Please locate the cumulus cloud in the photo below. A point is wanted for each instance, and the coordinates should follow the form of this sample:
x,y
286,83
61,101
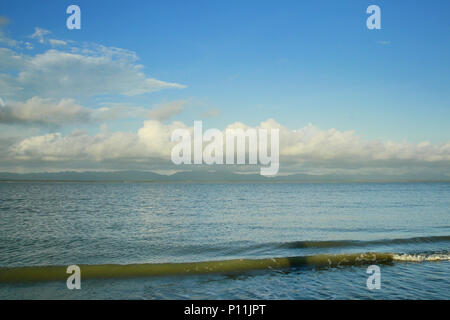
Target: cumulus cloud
x,y
151,141
311,144
55,147
44,111
48,111
308,147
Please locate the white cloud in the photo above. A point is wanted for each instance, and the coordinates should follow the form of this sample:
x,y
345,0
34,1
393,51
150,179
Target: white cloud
x,y
40,34
10,60
114,110
41,88
309,147
56,42
311,144
44,111
75,73
151,141
48,111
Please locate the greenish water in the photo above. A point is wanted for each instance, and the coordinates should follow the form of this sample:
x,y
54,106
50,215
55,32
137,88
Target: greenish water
x,y
224,240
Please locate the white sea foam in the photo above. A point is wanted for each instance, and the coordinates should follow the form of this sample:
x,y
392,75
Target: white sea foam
x,y
421,257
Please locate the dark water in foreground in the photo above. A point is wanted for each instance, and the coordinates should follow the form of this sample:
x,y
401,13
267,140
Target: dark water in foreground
x,y
206,228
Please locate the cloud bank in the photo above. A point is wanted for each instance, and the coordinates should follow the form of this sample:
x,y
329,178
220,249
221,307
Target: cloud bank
x,y
299,149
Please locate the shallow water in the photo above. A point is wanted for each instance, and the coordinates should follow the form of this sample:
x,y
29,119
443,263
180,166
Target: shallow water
x,y
59,224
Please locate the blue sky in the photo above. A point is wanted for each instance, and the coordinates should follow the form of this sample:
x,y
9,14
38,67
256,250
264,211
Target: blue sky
x,y
298,62
301,61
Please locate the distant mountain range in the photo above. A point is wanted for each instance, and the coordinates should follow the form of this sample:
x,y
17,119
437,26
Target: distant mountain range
x,y
203,176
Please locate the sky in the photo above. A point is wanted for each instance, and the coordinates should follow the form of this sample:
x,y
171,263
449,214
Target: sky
x,y
107,96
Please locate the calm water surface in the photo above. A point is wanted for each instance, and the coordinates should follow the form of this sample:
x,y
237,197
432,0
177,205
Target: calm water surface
x,y
59,224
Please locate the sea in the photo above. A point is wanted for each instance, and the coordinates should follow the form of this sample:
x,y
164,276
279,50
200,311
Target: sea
x,y
225,240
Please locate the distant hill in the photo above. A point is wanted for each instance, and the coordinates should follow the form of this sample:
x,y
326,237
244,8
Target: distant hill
x,y
202,176
84,176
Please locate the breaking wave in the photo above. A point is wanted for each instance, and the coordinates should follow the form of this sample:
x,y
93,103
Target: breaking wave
x,y
420,257
53,273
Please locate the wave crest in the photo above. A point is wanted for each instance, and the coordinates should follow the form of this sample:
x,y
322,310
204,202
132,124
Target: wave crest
x,y
420,257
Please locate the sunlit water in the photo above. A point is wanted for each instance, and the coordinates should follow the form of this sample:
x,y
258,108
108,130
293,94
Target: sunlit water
x,y
60,224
